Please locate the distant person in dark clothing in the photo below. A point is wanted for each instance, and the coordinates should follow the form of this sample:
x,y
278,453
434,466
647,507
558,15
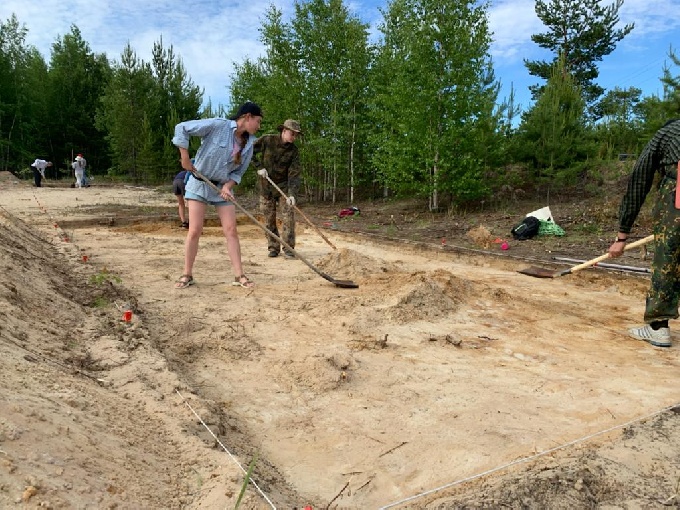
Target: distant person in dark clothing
x,y
38,167
178,188
661,155
278,159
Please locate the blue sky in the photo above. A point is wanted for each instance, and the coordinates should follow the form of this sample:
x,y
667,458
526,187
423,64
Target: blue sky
x,y
209,36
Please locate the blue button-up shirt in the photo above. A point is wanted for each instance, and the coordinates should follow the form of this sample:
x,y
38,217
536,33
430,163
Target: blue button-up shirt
x,y
214,157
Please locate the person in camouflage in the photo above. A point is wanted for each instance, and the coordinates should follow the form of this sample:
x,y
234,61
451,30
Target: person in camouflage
x,y
277,157
661,155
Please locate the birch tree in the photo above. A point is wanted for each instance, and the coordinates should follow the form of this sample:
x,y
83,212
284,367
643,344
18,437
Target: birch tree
x,y
434,99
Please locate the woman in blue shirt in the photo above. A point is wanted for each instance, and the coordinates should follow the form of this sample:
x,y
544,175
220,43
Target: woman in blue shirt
x,y
223,157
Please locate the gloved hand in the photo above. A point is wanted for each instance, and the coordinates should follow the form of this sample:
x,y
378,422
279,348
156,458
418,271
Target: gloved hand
x,y
262,172
291,201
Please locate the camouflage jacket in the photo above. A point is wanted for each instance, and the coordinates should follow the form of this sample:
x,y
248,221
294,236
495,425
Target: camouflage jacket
x,y
282,162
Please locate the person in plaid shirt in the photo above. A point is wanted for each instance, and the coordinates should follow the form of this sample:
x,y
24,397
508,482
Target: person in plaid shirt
x,y
660,156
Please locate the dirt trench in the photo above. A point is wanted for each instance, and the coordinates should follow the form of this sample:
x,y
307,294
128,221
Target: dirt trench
x,y
441,366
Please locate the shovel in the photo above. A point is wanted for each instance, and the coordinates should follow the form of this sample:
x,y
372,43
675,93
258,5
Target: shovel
x,y
301,213
346,284
539,272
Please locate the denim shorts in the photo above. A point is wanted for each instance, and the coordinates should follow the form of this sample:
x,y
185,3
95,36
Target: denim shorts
x,y
217,203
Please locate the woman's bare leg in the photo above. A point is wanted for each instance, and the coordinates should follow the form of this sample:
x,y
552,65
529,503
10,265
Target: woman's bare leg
x,y
227,215
182,209
197,214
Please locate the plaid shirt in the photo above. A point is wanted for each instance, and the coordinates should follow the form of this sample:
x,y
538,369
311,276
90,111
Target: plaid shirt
x,y
661,154
282,162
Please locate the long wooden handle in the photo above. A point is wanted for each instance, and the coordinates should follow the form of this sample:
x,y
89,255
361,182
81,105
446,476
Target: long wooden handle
x,y
594,261
288,247
302,214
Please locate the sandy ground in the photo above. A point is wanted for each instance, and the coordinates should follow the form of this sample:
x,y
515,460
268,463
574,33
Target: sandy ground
x,y
443,381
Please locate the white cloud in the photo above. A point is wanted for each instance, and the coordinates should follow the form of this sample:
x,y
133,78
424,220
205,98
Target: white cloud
x,y
208,36
651,17
512,23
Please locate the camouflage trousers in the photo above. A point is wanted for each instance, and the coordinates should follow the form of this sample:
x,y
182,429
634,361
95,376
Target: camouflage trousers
x,y
268,209
664,292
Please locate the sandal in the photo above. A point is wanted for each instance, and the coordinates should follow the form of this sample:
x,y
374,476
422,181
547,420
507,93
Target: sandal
x,y
184,281
243,281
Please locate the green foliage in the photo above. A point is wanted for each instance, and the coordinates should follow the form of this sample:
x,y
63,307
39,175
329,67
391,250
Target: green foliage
x,y
553,133
139,110
76,80
671,86
417,114
22,99
100,302
619,130
581,32
436,113
104,276
246,481
315,71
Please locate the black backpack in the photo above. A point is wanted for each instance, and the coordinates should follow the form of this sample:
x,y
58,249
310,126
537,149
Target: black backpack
x,y
527,229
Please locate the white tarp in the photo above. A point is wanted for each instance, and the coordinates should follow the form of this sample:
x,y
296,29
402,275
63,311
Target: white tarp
x,y
542,214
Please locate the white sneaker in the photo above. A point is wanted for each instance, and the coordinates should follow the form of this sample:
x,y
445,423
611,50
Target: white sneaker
x,y
659,338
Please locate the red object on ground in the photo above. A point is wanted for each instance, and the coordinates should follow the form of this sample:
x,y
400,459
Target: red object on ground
x,y
127,316
349,211
505,246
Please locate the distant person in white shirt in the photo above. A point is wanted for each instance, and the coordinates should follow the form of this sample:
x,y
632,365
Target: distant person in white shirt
x,y
79,168
38,167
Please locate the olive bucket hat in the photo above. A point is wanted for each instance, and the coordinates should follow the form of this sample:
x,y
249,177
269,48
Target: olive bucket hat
x,y
291,124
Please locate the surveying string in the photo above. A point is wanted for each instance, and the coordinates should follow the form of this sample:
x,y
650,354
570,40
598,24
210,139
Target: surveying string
x,y
527,459
226,450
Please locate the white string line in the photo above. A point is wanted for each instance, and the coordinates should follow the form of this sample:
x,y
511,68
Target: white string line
x,y
226,450
526,459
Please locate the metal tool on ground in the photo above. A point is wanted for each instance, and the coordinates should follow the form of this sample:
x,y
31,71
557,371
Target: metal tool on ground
x,y
346,284
540,272
301,213
615,267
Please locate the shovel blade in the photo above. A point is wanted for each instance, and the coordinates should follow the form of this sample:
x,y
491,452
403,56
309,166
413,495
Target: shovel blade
x,y
346,284
538,272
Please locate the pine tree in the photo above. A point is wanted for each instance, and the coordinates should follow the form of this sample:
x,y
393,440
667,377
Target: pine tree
x,y
583,32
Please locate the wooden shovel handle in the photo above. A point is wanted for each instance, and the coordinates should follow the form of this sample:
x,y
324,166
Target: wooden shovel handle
x,y
347,284
301,213
594,261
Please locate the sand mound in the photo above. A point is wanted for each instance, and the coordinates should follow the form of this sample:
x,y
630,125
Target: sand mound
x,y
421,296
350,263
9,177
320,372
429,296
481,236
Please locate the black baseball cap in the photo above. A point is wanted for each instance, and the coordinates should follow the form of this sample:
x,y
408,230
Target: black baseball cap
x,y
247,107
